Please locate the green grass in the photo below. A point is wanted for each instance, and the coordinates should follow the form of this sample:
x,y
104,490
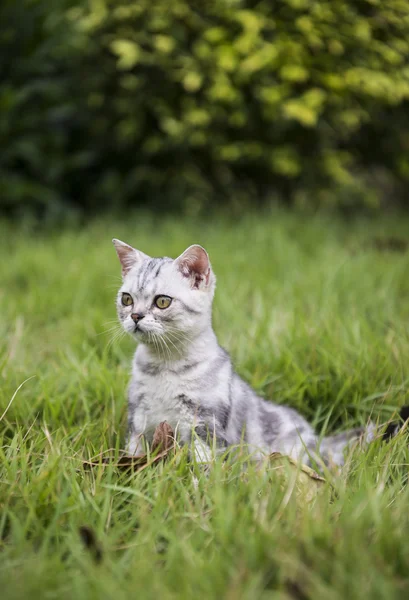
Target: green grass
x,y
313,316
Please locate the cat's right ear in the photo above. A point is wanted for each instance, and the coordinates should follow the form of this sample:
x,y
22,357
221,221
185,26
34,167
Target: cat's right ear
x,y
128,256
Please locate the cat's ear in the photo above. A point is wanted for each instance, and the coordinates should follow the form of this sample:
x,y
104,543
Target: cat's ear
x,y
128,256
194,264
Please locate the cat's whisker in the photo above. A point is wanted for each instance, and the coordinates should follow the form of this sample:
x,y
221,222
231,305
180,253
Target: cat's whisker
x,y
179,346
111,341
166,347
168,352
178,333
173,328
166,337
155,344
159,346
110,330
181,337
178,343
117,336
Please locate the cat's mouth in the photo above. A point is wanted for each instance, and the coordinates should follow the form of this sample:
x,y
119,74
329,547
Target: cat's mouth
x,y
139,335
137,330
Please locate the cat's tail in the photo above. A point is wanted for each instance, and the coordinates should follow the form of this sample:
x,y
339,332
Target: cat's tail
x,y
332,448
395,426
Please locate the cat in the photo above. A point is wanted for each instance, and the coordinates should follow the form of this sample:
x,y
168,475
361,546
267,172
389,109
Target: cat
x,y
181,375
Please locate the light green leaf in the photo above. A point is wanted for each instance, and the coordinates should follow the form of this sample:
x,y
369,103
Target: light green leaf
x,y
128,53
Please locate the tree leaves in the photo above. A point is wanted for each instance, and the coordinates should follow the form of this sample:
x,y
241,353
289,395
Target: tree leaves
x,y
113,94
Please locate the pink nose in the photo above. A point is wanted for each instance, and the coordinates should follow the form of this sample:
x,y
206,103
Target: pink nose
x,y
137,317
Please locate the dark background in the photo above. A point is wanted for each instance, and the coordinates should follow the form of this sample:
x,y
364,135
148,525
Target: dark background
x,y
182,105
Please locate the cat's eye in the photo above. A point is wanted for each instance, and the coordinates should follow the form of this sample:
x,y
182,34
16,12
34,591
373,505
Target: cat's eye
x,y
162,301
126,299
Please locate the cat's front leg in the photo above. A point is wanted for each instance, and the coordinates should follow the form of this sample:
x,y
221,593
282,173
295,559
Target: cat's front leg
x,y
206,445
136,443
201,452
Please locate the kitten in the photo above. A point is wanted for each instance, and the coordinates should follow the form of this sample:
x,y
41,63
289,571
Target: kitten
x,y
181,375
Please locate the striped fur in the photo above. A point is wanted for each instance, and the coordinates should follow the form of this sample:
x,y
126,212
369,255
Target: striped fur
x,y
181,375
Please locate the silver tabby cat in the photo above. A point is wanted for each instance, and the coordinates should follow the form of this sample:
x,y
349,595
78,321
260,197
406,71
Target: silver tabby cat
x,y
181,375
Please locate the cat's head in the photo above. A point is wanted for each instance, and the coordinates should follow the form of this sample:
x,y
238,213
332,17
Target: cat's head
x,y
165,300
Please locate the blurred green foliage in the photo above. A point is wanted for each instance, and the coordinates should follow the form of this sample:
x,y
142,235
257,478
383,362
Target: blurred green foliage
x,y
180,103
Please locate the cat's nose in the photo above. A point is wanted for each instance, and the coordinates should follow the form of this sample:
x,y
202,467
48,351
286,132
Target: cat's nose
x,y
136,317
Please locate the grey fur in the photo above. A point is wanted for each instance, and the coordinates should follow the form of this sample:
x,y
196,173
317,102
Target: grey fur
x,y
180,373
189,309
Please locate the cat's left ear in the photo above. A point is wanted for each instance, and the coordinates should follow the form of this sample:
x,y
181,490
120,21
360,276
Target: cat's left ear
x,y
128,256
194,264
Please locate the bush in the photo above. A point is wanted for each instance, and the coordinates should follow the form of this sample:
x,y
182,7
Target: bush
x,y
178,104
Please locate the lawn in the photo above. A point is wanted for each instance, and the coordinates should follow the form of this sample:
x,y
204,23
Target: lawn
x,y
315,313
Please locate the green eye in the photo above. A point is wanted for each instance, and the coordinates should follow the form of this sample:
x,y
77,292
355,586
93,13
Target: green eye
x,y
126,299
163,301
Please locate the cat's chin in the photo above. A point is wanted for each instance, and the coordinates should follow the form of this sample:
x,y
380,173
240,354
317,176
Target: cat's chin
x,y
137,334
141,336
